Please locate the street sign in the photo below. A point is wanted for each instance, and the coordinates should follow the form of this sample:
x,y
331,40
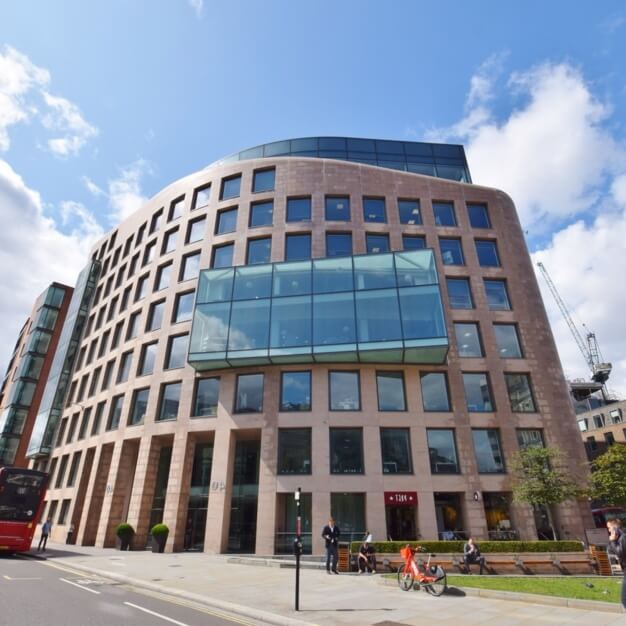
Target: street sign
x,y
401,498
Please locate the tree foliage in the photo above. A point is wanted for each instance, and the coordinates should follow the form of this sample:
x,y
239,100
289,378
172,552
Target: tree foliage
x,y
608,476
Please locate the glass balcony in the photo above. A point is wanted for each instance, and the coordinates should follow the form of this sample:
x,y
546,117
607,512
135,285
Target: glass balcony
x,y
382,308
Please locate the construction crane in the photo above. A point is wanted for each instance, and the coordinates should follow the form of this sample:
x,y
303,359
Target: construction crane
x,y
600,370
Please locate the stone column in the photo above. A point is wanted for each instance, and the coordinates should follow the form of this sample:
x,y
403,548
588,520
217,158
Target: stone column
x,y
266,505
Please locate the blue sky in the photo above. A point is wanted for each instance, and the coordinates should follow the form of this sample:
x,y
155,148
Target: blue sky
x,y
104,103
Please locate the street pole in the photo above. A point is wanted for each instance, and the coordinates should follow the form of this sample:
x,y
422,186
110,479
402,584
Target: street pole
x,y
298,545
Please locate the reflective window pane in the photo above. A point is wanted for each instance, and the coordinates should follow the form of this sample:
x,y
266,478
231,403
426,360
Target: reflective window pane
x,y
344,391
434,391
230,187
147,360
413,242
139,406
333,319
422,313
207,395
487,252
164,275
346,451
478,216
520,393
477,392
155,316
488,451
177,352
292,279
169,241
374,272
263,180
295,391
297,247
298,209
215,286
195,231
252,282
249,393
249,325
396,450
451,251
507,341
331,275
202,197
115,412
468,339
497,296
444,214
210,327
183,307
337,208
190,266
294,451
377,244
378,316
415,268
442,451
259,250
261,214
459,293
409,211
390,387
529,438
226,221
338,244
176,209
374,210
291,322
170,400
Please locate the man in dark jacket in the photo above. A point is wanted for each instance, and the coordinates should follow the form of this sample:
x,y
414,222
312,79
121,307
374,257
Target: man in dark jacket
x,y
331,534
617,546
471,554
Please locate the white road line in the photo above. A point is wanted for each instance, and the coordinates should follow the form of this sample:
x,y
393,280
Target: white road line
x,y
164,617
69,582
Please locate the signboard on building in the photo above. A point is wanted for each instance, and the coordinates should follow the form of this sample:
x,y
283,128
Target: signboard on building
x,y
401,498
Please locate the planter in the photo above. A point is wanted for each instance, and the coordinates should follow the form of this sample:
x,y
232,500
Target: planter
x,y
125,543
158,543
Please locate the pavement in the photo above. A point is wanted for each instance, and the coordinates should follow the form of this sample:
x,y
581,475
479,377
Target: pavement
x,y
266,594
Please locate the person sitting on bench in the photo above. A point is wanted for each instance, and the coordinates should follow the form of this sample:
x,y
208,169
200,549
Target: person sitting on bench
x,y
471,554
367,556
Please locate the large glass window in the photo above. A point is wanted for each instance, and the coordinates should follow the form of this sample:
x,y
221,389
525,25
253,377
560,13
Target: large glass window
x,y
201,197
396,450
290,322
487,252
170,400
374,210
344,391
155,316
223,255
413,242
338,244
507,341
124,368
468,339
444,214
139,406
377,321
147,359
451,251
332,275
259,250
297,247
176,208
163,277
249,393
350,509
115,412
183,307
263,180
376,244
478,216
346,451
294,451
488,451
249,323
299,209
195,230
206,397
497,295
190,266
231,187
295,393
391,396
169,241
261,214
434,391
477,392
529,438
226,221
333,319
442,451
337,208
142,287
520,393
250,283
409,211
176,352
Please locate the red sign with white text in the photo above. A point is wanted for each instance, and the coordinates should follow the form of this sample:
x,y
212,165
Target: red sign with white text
x,y
401,498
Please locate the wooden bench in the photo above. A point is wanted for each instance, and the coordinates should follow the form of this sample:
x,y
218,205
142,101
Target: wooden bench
x,y
393,562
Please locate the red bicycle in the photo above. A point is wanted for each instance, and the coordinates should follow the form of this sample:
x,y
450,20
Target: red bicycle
x,y
415,573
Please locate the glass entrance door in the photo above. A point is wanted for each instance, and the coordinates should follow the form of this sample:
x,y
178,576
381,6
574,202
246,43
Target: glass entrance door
x,y
198,497
401,525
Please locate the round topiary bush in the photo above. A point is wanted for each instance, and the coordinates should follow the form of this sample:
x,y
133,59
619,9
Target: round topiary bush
x,y
124,530
159,530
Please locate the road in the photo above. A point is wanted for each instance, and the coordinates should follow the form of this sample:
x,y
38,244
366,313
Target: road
x,y
34,592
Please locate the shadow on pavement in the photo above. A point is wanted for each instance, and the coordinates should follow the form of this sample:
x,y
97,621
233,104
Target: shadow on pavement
x,y
52,553
454,591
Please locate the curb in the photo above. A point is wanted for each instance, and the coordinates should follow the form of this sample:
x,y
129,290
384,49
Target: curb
x,y
230,607
534,598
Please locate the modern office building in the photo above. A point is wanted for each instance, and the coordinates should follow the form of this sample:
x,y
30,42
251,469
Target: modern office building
x,y
352,317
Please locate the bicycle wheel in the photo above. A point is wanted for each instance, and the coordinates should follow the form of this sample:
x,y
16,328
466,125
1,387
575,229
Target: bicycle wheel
x,y
405,579
439,585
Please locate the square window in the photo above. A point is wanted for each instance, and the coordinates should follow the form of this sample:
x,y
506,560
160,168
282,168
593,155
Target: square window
x,y
409,211
176,352
259,251
468,339
231,187
299,209
477,392
294,451
478,216
169,241
183,307
507,341
459,293
261,214
338,244
413,242
295,391
155,316
487,252
374,210
444,214
169,401
442,451
488,451
176,208
201,197
451,251
346,451
337,208
206,398
263,180
298,247
226,221
147,359
520,393
139,406
190,266
195,230
377,244
223,256
497,295
435,391
249,396
390,387
345,392
395,447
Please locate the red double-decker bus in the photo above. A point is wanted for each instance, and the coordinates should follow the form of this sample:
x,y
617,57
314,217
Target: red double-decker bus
x,y
22,492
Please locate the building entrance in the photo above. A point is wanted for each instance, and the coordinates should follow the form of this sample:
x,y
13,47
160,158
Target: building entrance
x,y
195,526
401,515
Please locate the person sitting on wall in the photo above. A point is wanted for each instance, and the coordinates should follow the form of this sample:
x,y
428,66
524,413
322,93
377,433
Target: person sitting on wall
x,y
471,554
367,556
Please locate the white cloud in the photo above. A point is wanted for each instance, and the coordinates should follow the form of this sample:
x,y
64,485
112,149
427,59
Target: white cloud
x,y
125,194
34,252
197,6
92,187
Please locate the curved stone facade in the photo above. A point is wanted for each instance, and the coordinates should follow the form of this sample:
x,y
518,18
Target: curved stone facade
x,y
104,473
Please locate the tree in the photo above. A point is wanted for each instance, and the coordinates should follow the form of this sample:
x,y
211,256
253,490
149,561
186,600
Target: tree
x,y
541,478
608,476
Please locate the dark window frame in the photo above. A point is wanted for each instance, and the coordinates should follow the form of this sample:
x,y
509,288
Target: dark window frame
x,y
358,380
280,403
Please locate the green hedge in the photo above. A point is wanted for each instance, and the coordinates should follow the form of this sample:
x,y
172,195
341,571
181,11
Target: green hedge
x,y
446,547
124,530
159,530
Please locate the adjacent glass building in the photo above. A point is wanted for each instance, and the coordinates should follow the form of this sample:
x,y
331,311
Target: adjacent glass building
x,y
352,317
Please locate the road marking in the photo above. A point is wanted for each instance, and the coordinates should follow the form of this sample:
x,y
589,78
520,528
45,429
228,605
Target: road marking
x,y
69,582
164,617
11,578
63,568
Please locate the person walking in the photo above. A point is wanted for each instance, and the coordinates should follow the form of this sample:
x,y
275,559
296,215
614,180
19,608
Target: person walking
x,y
471,554
331,534
45,531
617,546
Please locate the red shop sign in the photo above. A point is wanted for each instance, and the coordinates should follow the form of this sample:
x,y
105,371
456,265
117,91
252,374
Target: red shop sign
x,y
401,498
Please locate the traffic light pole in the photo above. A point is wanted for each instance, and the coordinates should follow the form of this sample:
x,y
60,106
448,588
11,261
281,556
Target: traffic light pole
x,y
297,545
